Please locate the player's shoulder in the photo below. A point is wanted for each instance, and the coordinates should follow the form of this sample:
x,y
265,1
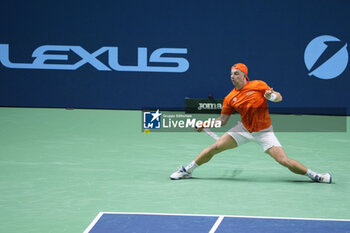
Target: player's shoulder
x,y
258,83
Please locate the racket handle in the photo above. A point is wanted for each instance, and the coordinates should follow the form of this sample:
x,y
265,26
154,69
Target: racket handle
x,y
211,133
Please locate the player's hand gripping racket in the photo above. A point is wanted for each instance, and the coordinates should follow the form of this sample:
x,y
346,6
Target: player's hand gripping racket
x,y
209,132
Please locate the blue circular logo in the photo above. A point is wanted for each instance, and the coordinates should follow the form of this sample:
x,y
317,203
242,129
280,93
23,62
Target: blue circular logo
x,y
326,57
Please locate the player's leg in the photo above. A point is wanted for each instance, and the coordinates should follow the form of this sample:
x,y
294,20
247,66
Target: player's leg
x,y
236,136
280,156
269,142
223,143
272,146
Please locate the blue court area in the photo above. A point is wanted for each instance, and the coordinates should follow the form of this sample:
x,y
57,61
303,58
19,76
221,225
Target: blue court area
x,y
137,223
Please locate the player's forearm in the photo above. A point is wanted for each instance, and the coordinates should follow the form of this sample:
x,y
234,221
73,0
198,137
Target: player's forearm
x,y
223,118
220,120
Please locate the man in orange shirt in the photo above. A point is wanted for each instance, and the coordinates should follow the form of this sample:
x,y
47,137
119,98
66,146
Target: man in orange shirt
x,y
249,98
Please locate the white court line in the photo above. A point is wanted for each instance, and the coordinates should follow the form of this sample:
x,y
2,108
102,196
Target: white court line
x,y
234,216
92,224
216,225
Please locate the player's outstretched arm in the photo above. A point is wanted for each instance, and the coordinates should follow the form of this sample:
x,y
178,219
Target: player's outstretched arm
x,y
273,96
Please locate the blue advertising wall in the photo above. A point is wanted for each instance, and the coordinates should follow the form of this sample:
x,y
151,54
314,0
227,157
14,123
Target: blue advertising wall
x,y
136,54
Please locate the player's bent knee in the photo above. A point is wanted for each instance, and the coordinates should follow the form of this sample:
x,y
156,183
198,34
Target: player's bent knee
x,y
222,144
217,147
227,142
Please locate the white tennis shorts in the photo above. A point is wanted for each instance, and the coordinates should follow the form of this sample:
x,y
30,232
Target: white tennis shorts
x,y
265,138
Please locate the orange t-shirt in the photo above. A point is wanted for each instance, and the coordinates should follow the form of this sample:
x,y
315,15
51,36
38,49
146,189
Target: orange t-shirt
x,y
250,102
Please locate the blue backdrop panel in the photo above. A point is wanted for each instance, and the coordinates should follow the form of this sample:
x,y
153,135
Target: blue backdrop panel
x,y
105,39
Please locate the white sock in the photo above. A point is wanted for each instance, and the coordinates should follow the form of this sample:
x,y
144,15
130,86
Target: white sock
x,y
190,167
311,174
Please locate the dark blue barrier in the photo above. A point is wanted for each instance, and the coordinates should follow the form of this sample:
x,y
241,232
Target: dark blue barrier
x,y
135,54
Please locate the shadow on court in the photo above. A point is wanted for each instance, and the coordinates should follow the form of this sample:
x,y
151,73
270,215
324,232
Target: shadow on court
x,y
233,177
253,180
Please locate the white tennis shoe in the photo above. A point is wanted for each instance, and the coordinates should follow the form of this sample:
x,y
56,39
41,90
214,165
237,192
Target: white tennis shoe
x,y
181,174
323,178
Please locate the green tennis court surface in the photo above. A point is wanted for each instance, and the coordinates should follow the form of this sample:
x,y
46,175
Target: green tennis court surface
x,y
60,168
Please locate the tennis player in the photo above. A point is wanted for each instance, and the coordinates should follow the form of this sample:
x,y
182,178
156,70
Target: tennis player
x,y
249,98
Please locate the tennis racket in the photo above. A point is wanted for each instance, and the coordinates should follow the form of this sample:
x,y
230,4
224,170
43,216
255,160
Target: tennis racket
x,y
211,133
